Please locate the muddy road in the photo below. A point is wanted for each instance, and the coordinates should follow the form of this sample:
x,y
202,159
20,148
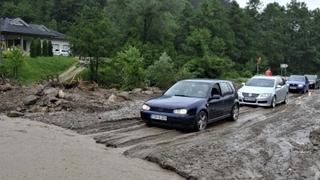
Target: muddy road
x,y
263,144
280,143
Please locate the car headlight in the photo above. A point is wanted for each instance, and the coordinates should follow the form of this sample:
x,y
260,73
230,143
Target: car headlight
x,y
240,94
300,85
264,95
146,107
180,111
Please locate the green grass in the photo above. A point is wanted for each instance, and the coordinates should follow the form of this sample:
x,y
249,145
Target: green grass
x,y
34,69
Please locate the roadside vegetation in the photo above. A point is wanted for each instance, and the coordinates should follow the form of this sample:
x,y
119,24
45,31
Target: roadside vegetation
x,y
144,42
28,70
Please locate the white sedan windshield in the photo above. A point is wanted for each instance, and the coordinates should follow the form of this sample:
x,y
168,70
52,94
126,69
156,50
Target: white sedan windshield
x,y
260,82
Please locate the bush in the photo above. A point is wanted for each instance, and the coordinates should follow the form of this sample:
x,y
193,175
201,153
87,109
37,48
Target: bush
x,y
126,70
162,72
50,49
45,48
38,48
133,73
209,66
183,73
6,53
33,48
16,59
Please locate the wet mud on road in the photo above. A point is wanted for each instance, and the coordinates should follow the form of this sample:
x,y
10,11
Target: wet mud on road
x,y
265,143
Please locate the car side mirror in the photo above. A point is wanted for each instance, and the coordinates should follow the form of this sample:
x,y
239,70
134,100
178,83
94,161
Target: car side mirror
x,y
243,84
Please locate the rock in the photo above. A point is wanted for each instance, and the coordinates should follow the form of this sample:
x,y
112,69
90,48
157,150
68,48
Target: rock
x,y
315,137
5,87
137,90
112,98
30,100
19,109
124,95
148,92
61,94
39,90
52,92
53,100
69,97
15,114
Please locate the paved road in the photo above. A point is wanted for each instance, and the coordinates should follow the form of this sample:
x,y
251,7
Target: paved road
x,y
33,150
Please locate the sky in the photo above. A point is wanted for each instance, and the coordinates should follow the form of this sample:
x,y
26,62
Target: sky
x,y
312,4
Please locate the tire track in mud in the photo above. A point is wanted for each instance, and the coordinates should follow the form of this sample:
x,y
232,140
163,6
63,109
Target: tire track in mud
x,y
134,139
264,150
140,137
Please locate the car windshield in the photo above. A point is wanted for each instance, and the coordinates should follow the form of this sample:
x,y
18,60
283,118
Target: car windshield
x,y
189,89
297,78
312,77
260,82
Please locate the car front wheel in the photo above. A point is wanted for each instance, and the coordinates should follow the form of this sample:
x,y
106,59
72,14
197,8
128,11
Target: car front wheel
x,y
273,102
235,112
286,100
202,120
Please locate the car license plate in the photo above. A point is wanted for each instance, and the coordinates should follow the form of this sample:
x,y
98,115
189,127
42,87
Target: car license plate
x,y
159,117
293,87
249,99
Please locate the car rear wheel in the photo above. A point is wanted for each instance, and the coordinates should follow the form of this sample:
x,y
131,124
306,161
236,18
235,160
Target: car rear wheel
x,y
286,100
273,102
148,124
202,120
235,112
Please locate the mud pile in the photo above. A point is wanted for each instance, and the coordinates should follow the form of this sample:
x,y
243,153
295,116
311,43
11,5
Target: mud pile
x,y
79,107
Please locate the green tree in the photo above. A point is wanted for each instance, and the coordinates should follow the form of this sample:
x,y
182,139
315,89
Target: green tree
x,y
16,59
133,72
33,49
45,48
92,35
161,74
38,47
50,49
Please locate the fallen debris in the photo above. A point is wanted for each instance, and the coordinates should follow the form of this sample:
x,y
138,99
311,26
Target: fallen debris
x,y
15,114
30,100
315,137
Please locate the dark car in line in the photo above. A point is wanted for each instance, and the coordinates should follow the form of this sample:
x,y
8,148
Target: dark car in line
x,y
192,104
314,82
298,83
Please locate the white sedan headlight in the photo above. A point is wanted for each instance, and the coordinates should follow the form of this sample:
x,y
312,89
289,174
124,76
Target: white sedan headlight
x,y
180,111
264,95
146,107
240,94
300,85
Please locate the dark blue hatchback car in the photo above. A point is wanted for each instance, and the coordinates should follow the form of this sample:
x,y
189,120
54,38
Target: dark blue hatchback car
x,y
193,104
298,83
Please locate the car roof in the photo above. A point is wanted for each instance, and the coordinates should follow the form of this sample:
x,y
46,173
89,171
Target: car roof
x,y
211,81
266,77
297,75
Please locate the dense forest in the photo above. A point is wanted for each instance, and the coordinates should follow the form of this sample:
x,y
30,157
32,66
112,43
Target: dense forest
x,y
151,40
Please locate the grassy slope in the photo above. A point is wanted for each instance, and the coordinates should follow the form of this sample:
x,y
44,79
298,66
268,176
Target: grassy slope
x,y
33,69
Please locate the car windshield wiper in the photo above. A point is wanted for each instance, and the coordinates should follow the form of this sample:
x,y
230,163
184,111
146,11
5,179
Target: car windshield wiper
x,y
181,95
